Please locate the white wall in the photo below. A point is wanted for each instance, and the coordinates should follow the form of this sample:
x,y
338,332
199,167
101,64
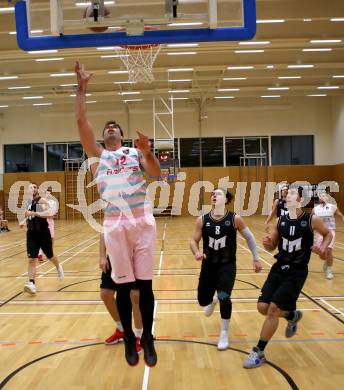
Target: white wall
x,y
338,128
317,116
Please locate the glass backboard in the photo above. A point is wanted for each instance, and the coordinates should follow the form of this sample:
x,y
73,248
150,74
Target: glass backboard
x,y
71,24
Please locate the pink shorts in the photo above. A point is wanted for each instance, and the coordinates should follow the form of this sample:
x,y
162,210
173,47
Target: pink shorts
x,y
318,239
130,245
51,226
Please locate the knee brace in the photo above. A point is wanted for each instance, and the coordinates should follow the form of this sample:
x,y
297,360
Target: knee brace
x,y
223,296
225,304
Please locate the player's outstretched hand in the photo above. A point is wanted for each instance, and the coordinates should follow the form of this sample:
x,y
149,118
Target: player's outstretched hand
x,y
82,76
143,143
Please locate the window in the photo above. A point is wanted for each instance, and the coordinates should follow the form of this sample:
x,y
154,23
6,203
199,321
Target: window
x,y
55,155
24,158
189,152
234,150
302,150
281,150
127,143
265,149
247,151
212,152
252,145
75,151
292,150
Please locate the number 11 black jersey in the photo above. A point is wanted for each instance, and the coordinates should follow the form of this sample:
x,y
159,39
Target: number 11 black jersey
x,y
295,239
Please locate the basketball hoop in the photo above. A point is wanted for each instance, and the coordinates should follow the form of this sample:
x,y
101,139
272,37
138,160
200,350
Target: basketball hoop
x,y
139,60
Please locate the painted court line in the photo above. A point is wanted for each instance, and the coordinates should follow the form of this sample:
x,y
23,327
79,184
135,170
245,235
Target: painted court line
x,y
263,260
73,301
172,340
92,313
60,254
68,259
332,307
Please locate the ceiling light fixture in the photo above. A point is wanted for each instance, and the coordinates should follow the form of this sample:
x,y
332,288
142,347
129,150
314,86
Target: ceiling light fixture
x,y
320,41
248,51
253,43
300,66
267,21
239,67
62,74
182,53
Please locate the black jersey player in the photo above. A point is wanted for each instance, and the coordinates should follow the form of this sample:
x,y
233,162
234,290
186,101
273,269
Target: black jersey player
x,y
279,207
38,236
293,235
218,229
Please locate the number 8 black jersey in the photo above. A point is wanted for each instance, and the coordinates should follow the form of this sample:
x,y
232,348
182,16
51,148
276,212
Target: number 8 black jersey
x,y
219,238
295,240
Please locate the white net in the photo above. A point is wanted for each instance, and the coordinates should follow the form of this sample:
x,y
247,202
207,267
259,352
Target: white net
x,y
139,61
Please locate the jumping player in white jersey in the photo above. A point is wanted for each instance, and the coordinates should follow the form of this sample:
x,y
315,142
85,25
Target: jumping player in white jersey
x,y
279,207
129,225
218,229
293,235
327,212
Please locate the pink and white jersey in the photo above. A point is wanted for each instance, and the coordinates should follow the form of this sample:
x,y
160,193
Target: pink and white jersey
x,y
326,213
121,184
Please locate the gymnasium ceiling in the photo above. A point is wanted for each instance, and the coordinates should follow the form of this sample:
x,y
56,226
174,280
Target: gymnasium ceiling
x,y
286,43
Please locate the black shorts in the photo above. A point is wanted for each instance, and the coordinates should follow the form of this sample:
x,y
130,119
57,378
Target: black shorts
x,y
283,286
36,240
108,283
215,277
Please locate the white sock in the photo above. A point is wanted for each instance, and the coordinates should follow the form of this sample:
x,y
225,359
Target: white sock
x,y
138,332
119,326
40,253
224,324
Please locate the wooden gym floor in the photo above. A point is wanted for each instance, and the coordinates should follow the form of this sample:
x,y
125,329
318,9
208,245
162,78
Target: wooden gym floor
x,y
54,340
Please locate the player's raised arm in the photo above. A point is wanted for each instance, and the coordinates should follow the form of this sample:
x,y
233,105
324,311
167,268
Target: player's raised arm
x,y
86,132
